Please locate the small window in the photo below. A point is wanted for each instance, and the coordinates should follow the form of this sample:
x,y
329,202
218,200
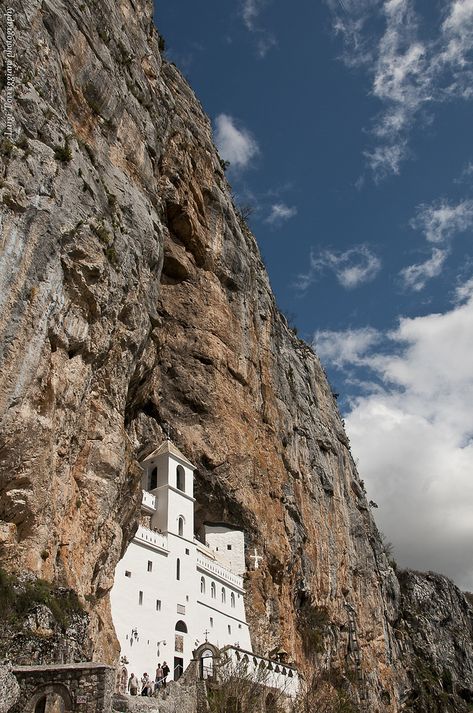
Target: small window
x,y
180,478
211,621
224,595
127,573
202,585
153,479
187,551
213,590
229,629
140,598
232,600
178,568
239,626
150,566
180,526
158,604
229,547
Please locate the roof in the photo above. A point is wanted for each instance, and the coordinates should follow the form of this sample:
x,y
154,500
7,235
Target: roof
x,y
168,448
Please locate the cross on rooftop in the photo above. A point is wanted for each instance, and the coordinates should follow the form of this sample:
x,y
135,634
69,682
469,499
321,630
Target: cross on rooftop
x,y
206,633
256,557
167,431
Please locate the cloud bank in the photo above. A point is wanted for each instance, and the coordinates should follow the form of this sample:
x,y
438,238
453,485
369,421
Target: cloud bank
x,y
412,431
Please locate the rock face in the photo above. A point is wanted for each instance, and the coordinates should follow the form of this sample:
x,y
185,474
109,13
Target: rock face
x,y
134,297
435,632
9,689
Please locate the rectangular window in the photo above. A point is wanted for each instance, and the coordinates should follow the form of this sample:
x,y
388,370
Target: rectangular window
x,y
211,621
140,598
229,629
158,604
181,609
150,566
229,547
187,551
127,573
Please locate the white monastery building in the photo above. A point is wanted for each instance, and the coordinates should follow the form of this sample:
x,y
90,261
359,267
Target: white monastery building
x,y
173,592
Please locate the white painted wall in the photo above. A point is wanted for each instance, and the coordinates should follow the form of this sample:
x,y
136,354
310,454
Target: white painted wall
x,y
228,545
265,671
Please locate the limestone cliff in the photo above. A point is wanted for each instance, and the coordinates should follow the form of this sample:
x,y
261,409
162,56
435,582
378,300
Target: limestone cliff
x,y
134,296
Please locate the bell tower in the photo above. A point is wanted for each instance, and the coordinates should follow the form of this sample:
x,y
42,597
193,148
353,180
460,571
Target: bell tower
x,y
169,476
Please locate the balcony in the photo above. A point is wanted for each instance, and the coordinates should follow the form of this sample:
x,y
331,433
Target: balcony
x,y
210,566
148,502
151,538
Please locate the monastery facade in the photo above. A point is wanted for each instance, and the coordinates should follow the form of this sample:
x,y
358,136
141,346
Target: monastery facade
x,y
173,592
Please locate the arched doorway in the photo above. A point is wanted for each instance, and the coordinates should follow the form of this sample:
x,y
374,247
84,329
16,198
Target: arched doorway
x,y
122,680
180,629
206,664
53,698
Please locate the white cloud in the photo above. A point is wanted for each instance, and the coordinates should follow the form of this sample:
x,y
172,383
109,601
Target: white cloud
x,y
416,276
439,222
345,348
409,75
443,220
234,144
250,12
280,212
464,291
352,267
413,434
386,160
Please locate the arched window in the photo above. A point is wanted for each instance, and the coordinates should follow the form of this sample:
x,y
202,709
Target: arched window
x,y
224,595
153,479
178,568
202,585
232,600
180,478
180,526
213,590
181,626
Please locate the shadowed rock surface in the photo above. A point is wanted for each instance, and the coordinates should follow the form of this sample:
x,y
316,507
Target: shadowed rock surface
x,y
133,297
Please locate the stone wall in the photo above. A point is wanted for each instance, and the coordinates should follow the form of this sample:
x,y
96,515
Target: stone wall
x,y
85,688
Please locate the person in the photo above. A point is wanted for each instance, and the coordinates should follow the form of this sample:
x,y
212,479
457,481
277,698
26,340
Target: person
x,y
145,682
159,677
133,684
165,673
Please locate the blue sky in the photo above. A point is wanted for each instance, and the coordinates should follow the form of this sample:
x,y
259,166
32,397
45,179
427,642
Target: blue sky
x,y
348,127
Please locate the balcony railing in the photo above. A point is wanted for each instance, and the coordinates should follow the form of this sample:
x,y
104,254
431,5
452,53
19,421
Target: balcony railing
x,y
218,571
150,537
268,672
148,501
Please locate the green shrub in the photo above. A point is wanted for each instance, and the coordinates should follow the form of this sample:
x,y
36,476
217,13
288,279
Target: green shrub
x,y
18,598
63,153
313,621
